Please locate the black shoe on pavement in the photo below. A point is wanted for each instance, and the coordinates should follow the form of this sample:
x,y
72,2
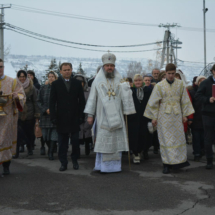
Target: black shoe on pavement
x,y
43,150
63,168
209,163
6,171
51,150
6,166
75,165
166,170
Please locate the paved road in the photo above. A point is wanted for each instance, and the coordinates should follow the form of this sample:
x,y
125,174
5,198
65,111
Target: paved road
x,y
35,186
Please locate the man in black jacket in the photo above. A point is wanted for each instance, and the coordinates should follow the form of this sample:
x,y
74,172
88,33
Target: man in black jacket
x,y
68,96
204,95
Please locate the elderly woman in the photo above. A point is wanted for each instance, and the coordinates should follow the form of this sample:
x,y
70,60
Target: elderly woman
x,y
48,129
197,127
85,134
30,114
139,137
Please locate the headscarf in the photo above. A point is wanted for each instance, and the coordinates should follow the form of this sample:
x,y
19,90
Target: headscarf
x,y
183,77
27,80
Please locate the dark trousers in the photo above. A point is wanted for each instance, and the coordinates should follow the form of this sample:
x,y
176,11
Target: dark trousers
x,y
6,164
209,126
63,142
26,133
198,141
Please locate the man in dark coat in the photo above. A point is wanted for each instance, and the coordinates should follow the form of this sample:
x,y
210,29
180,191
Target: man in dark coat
x,y
68,95
197,122
204,95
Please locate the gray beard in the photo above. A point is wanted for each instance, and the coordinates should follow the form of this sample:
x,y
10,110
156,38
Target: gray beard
x,y
109,75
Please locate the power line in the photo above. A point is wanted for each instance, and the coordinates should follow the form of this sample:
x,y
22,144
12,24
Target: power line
x,y
78,47
82,44
190,61
75,16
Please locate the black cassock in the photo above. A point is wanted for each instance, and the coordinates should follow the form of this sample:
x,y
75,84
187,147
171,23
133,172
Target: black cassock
x,y
139,137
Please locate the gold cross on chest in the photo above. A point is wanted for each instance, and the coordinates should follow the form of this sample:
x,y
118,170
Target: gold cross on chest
x,y
109,93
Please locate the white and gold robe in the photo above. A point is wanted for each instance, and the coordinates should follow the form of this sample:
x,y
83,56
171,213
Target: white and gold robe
x,y
111,137
8,123
168,104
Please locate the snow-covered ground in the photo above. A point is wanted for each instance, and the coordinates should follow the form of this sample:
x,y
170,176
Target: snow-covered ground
x,y
40,65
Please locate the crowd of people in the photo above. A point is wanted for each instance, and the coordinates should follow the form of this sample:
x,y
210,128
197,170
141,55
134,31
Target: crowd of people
x,y
108,113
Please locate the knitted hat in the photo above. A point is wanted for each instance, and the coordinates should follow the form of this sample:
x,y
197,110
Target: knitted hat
x,y
108,58
199,78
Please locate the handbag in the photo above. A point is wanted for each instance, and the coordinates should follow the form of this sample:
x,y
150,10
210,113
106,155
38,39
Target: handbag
x,y
38,131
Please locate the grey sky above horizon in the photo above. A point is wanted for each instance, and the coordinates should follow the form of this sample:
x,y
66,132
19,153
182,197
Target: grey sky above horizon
x,y
187,13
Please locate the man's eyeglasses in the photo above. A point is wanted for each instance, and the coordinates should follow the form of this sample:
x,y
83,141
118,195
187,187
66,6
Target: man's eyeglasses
x,y
1,67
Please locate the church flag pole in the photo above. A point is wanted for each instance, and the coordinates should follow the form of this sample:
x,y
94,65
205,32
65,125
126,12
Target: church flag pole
x,y
129,156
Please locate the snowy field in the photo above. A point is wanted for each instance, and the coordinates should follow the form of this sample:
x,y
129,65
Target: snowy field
x,y
40,65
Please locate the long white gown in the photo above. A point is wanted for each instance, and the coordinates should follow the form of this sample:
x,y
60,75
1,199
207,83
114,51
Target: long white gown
x,y
111,137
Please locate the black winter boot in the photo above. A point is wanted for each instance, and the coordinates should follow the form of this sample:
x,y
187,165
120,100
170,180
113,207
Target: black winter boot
x,y
51,150
75,164
166,169
209,163
6,170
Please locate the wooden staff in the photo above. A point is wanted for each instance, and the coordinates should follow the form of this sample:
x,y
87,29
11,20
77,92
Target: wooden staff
x,y
129,156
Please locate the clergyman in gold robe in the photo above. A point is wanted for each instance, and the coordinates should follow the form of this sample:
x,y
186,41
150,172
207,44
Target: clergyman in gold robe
x,y
9,117
168,107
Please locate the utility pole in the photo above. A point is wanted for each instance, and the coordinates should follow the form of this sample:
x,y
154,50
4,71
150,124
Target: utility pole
x,y
166,44
2,7
175,46
204,12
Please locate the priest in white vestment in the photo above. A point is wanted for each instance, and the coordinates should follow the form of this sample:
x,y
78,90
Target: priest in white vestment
x,y
109,99
168,107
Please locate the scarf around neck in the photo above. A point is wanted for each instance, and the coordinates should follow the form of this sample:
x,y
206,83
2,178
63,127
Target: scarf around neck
x,y
25,84
140,93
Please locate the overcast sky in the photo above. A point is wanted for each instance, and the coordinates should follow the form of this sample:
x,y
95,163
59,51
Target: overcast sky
x,y
187,13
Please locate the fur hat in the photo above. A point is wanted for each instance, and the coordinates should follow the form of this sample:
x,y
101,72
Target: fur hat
x,y
199,78
108,58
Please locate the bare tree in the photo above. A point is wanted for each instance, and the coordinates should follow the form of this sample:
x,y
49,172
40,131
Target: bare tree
x,y
134,68
7,51
151,64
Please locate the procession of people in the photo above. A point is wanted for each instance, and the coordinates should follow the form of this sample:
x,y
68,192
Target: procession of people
x,y
108,113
